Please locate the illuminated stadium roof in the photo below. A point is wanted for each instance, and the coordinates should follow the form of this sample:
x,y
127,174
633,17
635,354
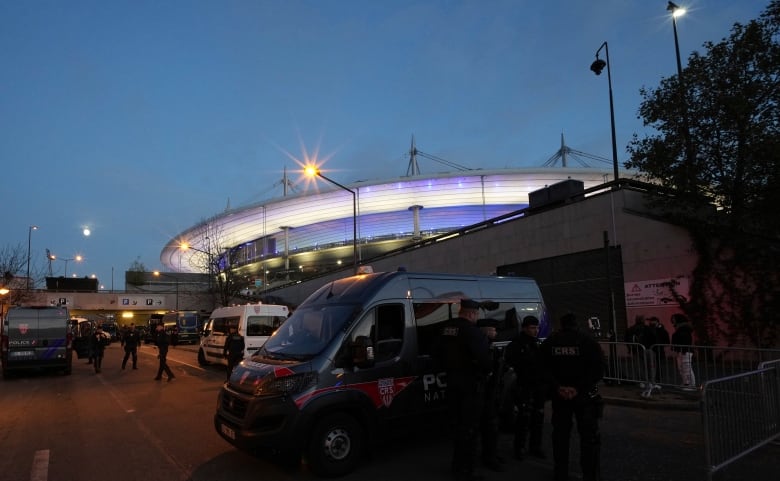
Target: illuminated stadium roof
x,y
322,220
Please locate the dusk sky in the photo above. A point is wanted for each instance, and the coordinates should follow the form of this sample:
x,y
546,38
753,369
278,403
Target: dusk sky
x,y
138,119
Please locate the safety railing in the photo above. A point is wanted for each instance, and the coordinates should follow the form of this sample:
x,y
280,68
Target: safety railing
x,y
740,414
669,365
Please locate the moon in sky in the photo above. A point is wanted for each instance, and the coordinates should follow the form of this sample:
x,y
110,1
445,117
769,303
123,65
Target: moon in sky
x,y
87,232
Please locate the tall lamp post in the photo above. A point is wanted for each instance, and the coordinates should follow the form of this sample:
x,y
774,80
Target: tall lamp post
x,y
184,246
678,11
29,244
160,274
312,171
77,259
597,67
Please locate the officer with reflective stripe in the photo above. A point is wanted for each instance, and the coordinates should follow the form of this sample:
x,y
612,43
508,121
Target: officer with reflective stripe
x,y
574,366
465,355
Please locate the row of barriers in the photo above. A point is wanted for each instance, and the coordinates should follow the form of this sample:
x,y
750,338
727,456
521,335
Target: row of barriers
x,y
662,365
740,390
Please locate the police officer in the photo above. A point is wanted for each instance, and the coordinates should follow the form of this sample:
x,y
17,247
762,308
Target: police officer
x,y
163,340
464,353
130,340
233,350
574,365
489,420
522,354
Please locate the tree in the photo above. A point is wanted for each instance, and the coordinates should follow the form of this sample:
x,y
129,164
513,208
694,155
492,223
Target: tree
x,y
732,99
136,273
215,256
13,263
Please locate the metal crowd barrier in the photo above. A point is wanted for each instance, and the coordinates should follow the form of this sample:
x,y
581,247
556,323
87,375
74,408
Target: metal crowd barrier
x,y
628,362
741,413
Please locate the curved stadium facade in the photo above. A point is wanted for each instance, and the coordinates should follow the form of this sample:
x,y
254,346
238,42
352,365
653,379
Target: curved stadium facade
x,y
303,234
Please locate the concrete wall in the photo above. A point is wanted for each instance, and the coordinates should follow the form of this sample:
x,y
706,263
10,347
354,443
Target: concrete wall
x,y
651,249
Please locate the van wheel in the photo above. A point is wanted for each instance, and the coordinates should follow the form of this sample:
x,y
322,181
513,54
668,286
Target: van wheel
x,y
336,445
202,358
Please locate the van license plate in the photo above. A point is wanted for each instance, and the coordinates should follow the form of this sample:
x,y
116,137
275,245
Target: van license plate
x,y
228,432
21,354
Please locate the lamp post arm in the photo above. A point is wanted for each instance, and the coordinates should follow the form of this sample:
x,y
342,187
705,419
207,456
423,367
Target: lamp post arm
x,y
354,218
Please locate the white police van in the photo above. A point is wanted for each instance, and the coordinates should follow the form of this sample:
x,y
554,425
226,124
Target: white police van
x,y
254,321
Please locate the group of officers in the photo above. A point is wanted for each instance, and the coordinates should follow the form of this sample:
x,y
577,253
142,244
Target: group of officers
x,y
566,369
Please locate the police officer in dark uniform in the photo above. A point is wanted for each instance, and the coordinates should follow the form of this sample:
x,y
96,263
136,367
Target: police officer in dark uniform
x,y
130,341
489,420
522,354
163,340
464,353
574,365
233,350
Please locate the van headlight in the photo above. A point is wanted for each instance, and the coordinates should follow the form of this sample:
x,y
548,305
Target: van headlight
x,y
292,384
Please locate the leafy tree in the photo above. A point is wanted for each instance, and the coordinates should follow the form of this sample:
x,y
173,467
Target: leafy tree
x,y
731,110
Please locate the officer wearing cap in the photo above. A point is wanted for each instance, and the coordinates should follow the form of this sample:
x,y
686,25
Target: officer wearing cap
x,y
530,388
574,366
463,351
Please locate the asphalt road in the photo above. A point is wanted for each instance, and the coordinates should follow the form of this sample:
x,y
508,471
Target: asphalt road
x,y
123,426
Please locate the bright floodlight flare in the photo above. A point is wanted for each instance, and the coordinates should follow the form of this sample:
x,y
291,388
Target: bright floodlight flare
x,y
677,11
86,231
311,171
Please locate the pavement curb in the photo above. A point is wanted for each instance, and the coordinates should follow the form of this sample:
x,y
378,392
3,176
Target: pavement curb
x,y
660,404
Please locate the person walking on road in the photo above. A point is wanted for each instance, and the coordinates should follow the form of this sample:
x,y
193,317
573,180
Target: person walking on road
x,y
163,340
130,341
464,353
682,346
522,354
574,366
233,350
98,343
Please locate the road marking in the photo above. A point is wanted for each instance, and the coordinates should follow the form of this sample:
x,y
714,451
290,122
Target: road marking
x,y
40,466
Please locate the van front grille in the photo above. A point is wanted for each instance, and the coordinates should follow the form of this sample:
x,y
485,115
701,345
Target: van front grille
x,y
234,405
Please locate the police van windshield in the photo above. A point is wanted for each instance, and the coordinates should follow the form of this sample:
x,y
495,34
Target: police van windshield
x,y
308,331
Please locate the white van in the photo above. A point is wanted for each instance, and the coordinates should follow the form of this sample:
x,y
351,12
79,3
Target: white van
x,y
254,321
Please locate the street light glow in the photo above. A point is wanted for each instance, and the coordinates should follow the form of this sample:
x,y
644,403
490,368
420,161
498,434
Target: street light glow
x,y
312,171
677,11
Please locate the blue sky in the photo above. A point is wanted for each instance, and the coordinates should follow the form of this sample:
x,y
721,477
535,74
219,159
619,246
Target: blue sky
x,y
138,119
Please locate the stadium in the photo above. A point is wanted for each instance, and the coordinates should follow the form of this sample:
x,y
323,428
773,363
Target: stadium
x,y
299,235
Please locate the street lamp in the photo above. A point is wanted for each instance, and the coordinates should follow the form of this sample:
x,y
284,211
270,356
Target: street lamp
x,y
184,246
312,171
160,274
678,11
3,292
77,259
597,67
29,243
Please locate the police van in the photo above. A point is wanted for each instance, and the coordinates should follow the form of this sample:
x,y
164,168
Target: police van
x,y
37,337
354,360
254,321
